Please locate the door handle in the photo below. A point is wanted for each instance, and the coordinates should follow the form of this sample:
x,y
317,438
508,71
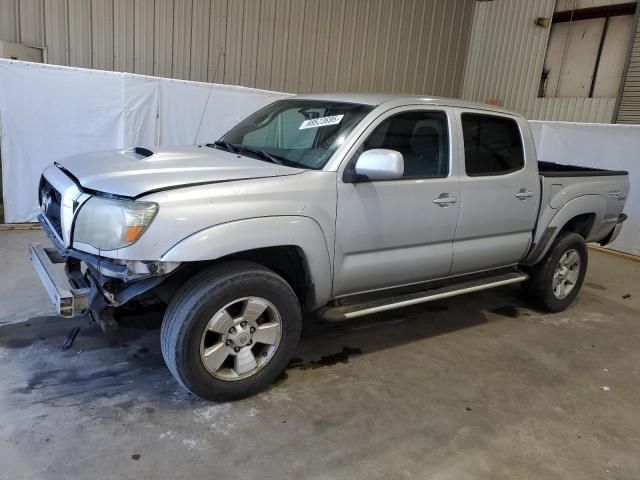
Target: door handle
x,y
444,200
523,194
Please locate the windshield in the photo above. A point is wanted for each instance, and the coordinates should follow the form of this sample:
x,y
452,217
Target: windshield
x,y
297,133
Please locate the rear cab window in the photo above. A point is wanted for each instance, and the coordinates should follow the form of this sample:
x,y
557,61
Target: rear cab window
x,y
492,145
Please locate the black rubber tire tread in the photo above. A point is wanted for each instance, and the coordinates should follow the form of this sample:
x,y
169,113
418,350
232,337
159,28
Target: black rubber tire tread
x,y
203,295
538,289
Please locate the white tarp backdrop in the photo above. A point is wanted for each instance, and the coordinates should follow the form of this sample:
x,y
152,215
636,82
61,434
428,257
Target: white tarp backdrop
x,y
612,147
49,112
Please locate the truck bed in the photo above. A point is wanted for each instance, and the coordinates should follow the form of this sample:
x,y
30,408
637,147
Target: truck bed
x,y
550,169
605,190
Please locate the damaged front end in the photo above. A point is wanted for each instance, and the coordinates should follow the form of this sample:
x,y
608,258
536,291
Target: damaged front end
x,y
91,283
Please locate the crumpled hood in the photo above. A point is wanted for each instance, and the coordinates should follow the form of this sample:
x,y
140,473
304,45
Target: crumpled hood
x,y
134,172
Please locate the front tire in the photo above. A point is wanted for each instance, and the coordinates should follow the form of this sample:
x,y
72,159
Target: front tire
x,y
230,331
555,281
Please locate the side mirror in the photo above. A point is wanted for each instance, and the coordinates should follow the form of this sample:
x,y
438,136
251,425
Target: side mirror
x,y
380,164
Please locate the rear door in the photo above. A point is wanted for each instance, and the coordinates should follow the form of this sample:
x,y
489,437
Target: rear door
x,y
500,191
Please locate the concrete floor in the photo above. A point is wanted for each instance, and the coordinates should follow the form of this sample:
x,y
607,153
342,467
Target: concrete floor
x,y
479,387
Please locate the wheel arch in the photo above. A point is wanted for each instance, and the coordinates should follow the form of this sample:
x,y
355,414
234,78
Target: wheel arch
x,y
293,246
579,215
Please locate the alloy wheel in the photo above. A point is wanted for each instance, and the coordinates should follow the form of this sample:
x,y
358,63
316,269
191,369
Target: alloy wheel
x,y
566,274
241,338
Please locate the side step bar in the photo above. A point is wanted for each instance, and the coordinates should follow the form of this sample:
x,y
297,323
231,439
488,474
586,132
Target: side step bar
x,y
347,312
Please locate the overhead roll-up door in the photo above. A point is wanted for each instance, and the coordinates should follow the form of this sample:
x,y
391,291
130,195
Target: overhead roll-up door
x,y
629,105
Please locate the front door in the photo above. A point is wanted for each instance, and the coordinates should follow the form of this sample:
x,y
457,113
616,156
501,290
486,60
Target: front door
x,y
398,232
500,193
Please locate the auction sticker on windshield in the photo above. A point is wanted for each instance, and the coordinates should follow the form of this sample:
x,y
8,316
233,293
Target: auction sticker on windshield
x,y
321,122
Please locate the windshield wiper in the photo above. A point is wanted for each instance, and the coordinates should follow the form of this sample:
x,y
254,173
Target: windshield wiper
x,y
263,154
222,143
234,149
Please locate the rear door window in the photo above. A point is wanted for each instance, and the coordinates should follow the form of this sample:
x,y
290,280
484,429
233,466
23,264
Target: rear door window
x,y
492,145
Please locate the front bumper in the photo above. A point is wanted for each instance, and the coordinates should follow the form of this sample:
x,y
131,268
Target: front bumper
x,y
104,285
69,301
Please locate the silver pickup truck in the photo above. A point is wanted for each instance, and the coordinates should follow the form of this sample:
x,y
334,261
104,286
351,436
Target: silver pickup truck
x,y
344,205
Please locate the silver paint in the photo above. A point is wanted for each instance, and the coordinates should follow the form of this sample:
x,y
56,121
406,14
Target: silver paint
x,y
380,164
355,237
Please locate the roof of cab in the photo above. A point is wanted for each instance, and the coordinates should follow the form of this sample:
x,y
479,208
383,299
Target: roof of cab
x,y
376,99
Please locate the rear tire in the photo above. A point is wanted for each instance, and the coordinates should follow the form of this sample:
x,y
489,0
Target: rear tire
x,y
555,281
230,331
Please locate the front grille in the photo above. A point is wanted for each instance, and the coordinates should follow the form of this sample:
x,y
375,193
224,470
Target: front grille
x,y
50,205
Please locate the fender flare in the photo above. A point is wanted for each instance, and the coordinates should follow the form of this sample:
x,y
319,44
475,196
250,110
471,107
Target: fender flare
x,y
238,236
585,204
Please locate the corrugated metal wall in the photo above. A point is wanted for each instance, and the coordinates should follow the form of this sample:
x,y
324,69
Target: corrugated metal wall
x,y
628,110
413,46
505,60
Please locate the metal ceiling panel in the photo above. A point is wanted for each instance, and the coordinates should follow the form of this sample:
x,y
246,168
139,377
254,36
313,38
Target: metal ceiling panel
x,y
101,34
79,33
9,20
182,38
56,27
163,38
123,38
199,58
412,46
31,22
143,36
